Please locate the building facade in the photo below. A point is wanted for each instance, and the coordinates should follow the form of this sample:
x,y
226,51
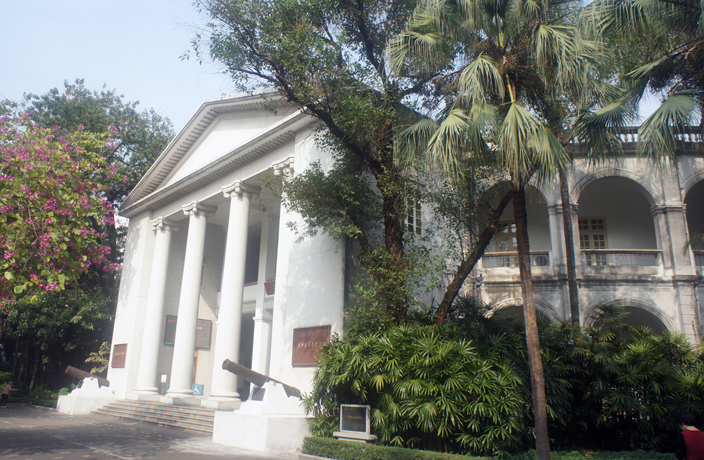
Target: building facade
x,y
214,269
632,224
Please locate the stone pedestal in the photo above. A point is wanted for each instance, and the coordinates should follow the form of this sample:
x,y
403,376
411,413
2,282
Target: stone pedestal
x,y
86,399
275,424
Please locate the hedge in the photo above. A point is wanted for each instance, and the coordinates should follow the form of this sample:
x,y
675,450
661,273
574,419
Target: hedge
x,y
350,450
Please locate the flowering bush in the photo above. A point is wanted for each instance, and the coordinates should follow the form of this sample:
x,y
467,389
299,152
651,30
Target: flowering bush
x,y
52,206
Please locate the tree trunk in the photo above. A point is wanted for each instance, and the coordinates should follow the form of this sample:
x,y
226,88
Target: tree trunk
x,y
569,249
35,370
537,376
466,266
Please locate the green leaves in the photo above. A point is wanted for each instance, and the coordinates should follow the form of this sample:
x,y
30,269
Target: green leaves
x,y
423,381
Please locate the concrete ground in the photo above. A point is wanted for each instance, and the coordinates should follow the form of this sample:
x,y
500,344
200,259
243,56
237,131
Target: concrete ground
x,y
31,433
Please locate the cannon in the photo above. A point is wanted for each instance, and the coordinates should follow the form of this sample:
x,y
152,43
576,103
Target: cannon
x,y
81,374
256,378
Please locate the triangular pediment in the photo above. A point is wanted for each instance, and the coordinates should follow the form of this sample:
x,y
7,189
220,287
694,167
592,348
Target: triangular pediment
x,y
219,130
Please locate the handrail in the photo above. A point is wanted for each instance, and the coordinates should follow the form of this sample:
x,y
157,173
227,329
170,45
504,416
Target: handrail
x,y
509,259
621,257
629,134
622,251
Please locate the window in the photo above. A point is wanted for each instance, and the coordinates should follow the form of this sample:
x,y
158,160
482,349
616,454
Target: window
x,y
505,241
592,235
414,216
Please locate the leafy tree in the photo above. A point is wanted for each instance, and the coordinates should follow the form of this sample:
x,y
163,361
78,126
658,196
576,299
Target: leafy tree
x,y
41,337
328,58
138,138
52,207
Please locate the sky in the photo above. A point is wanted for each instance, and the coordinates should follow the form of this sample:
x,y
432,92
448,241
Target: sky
x,y
134,47
131,46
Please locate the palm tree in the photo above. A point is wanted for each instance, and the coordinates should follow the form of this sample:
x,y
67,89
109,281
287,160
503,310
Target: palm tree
x,y
673,68
519,84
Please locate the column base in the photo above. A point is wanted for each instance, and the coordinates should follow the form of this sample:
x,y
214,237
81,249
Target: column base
x,y
179,400
139,395
221,403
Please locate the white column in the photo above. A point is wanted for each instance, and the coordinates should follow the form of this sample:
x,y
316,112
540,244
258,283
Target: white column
x,y
262,318
185,341
147,382
227,341
278,323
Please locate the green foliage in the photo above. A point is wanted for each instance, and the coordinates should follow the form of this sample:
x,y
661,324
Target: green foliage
x,y
138,138
329,59
347,450
99,359
463,387
428,388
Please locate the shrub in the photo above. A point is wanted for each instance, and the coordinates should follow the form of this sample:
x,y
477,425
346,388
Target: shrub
x,y
463,386
428,388
346,450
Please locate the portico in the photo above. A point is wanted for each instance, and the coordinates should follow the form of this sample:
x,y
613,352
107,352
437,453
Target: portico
x,y
207,262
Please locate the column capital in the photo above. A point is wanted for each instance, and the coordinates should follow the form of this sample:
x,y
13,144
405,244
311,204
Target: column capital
x,y
239,188
162,223
195,208
668,207
559,209
284,168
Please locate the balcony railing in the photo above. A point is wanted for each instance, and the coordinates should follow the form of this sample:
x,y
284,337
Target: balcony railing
x,y
510,259
621,257
699,258
630,135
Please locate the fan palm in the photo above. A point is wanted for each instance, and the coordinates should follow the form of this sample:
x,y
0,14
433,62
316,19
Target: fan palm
x,y
519,84
674,68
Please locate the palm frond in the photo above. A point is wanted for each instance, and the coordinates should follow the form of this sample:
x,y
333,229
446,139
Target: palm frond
x,y
479,79
459,139
598,132
526,147
657,135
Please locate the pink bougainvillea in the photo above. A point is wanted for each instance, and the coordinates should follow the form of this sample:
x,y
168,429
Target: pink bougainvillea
x,y
52,206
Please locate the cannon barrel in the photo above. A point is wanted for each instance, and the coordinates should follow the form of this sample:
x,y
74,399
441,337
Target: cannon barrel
x,y
257,378
77,373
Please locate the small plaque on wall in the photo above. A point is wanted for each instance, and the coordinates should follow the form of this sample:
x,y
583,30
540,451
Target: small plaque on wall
x,y
203,331
306,344
170,330
119,355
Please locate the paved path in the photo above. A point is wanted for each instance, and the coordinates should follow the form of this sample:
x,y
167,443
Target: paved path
x,y
29,433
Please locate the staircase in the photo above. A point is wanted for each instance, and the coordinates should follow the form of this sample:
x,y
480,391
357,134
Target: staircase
x,y
187,418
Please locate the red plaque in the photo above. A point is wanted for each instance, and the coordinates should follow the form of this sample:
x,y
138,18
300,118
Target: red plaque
x,y
306,345
119,355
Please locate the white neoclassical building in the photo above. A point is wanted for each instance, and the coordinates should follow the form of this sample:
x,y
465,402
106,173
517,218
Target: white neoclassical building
x,y
213,270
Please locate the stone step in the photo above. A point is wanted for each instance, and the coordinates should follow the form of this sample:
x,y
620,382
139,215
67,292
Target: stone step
x,y
188,418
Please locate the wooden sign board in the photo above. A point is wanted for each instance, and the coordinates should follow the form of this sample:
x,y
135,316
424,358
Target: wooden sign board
x,y
204,330
119,355
170,330
306,344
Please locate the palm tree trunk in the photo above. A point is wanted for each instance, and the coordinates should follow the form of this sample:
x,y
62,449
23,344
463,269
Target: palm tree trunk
x,y
569,249
537,376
